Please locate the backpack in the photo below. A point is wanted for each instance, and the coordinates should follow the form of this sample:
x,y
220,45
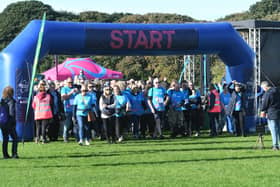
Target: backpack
x,y
4,113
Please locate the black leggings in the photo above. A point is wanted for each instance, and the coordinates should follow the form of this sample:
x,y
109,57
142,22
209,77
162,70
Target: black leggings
x,y
239,123
109,129
12,132
41,125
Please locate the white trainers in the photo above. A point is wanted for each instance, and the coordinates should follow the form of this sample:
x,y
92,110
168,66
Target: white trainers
x,y
80,142
120,139
87,142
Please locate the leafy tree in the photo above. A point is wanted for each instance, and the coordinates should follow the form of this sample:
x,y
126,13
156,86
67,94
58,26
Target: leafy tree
x,y
17,15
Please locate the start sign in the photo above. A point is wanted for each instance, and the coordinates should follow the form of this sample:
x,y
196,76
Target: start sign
x,y
129,39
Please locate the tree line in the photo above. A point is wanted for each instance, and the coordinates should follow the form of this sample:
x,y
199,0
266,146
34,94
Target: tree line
x,y
17,15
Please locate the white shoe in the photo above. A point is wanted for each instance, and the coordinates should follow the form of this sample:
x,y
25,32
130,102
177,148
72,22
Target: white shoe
x,y
87,142
120,139
197,134
80,142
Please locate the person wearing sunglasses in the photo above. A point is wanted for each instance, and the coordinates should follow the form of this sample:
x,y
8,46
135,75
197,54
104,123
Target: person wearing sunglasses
x,y
83,104
68,93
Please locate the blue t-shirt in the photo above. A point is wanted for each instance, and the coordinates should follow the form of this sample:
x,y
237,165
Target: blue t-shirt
x,y
136,104
238,102
187,95
195,96
225,98
68,103
93,97
121,101
176,99
84,104
157,95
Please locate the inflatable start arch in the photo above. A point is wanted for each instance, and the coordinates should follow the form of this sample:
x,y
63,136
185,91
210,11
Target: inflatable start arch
x,y
72,38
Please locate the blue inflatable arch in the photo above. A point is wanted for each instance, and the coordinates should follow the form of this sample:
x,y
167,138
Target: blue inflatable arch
x,y
72,38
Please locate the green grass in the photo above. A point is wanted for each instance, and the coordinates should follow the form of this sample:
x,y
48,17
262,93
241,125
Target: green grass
x,y
200,161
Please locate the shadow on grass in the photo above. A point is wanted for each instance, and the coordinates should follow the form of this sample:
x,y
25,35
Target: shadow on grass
x,y
153,162
188,142
137,152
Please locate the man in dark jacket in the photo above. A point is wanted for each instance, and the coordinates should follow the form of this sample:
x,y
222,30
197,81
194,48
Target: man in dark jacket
x,y
236,106
57,110
271,109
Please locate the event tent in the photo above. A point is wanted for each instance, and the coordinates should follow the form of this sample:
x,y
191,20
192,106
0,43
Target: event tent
x,y
72,66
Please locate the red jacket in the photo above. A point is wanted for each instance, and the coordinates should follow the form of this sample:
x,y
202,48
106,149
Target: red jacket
x,y
42,106
214,102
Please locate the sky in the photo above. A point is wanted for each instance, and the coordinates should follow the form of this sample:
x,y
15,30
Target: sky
x,y
210,10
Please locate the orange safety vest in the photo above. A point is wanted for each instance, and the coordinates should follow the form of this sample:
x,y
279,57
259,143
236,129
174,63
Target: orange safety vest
x,y
217,106
42,108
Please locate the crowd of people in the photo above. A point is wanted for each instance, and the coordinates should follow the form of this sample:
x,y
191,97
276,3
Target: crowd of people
x,y
114,110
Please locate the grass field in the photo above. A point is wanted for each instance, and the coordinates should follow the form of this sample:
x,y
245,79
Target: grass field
x,y
197,161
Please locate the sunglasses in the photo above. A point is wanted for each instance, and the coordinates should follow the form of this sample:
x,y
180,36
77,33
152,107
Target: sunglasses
x,y
70,82
84,90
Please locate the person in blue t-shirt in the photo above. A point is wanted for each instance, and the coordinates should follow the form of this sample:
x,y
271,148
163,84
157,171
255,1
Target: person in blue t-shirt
x,y
122,106
83,104
148,118
157,102
225,98
136,99
175,113
68,93
195,105
186,108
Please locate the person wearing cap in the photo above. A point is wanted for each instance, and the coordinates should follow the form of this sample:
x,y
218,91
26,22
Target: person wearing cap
x,y
236,106
83,104
68,93
42,105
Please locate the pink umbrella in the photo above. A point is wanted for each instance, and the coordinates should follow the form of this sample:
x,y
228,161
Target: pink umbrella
x,y
72,66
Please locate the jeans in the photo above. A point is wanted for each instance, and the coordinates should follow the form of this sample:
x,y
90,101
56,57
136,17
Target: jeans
x,y
84,128
68,124
274,127
227,118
